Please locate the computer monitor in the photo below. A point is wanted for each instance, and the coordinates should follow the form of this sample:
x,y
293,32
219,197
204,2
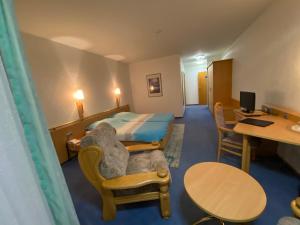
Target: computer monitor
x,y
247,101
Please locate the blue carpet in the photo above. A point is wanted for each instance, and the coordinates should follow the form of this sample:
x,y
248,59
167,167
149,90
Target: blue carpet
x,y
199,145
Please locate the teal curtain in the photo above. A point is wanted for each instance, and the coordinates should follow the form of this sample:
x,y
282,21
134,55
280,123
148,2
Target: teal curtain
x,y
42,151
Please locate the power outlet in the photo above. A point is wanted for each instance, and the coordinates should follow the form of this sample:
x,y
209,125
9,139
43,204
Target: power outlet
x,y
266,109
69,134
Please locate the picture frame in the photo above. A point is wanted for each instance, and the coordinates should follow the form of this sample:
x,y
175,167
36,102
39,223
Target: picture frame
x,y
154,85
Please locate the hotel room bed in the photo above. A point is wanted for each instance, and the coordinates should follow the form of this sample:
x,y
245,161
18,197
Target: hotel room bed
x,y
136,130
155,117
77,129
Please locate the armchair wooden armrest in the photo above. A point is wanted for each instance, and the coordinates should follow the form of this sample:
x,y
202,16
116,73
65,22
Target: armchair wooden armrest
x,y
137,180
143,147
295,205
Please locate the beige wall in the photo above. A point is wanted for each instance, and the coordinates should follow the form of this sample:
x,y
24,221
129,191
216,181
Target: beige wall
x,y
59,70
172,99
267,56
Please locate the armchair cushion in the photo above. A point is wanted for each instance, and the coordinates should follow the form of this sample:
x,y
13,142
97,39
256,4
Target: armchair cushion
x,y
146,162
288,221
142,163
115,158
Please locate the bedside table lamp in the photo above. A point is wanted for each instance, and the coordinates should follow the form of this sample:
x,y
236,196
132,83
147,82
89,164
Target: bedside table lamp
x,y
117,94
79,97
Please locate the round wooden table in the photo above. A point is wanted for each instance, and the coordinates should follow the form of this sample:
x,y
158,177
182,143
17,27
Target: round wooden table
x,y
224,192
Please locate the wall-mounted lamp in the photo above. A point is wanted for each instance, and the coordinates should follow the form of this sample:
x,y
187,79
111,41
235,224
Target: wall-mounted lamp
x,y
117,94
79,97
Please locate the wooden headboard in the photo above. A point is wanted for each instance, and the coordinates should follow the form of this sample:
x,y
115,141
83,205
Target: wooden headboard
x,y
76,129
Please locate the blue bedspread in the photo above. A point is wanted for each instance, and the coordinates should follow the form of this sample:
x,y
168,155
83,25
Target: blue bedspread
x,y
136,130
150,131
112,121
155,117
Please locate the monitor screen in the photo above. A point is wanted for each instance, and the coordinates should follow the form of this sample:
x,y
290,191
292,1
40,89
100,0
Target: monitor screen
x,y
247,101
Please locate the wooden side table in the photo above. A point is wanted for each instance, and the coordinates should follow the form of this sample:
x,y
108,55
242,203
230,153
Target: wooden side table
x,y
73,146
224,192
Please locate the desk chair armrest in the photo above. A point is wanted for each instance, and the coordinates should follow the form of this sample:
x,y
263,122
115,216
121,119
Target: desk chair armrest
x,y
224,129
231,122
143,147
298,202
137,180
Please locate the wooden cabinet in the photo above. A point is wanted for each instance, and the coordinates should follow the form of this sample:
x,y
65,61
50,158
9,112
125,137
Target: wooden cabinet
x,y
219,83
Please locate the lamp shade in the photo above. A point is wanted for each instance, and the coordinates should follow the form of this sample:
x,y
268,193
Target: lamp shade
x,y
78,95
117,91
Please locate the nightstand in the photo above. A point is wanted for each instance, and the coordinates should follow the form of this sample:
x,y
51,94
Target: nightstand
x,y
73,147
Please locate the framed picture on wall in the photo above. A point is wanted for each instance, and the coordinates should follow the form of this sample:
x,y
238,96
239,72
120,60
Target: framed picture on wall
x,y
154,85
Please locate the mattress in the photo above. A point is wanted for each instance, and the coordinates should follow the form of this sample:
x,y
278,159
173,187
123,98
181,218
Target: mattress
x,y
139,131
154,117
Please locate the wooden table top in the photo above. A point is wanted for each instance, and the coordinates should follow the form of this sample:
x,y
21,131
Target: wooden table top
x,y
225,192
279,131
253,114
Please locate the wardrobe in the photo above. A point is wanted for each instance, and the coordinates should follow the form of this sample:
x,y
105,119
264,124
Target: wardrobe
x,y
219,75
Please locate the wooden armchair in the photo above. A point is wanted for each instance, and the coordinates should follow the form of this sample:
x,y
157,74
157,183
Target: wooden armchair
x,y
228,140
295,205
137,184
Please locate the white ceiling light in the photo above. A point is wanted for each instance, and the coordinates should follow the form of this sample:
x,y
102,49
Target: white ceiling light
x,y
202,61
115,57
74,42
199,57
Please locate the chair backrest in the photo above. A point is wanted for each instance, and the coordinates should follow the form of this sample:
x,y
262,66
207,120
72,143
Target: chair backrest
x,y
219,114
115,155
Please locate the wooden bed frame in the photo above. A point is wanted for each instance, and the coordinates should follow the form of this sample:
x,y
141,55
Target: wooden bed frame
x,y
76,129
162,143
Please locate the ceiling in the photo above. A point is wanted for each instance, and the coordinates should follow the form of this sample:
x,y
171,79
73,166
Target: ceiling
x,y
135,30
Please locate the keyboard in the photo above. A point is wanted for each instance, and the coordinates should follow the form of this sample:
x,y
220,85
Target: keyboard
x,y
255,122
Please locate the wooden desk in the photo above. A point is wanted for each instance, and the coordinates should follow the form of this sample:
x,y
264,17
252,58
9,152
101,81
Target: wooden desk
x,y
279,131
253,114
239,114
224,192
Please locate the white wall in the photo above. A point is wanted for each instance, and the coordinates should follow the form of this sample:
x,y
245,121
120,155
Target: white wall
x,y
182,73
59,70
172,99
267,56
191,83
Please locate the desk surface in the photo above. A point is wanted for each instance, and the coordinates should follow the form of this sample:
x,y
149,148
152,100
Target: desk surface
x,y
225,192
279,131
253,114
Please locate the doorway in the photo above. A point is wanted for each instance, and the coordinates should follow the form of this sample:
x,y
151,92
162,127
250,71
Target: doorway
x,y
196,86
202,88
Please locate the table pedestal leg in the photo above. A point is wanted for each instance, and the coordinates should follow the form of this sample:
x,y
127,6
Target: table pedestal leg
x,y
246,154
207,218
